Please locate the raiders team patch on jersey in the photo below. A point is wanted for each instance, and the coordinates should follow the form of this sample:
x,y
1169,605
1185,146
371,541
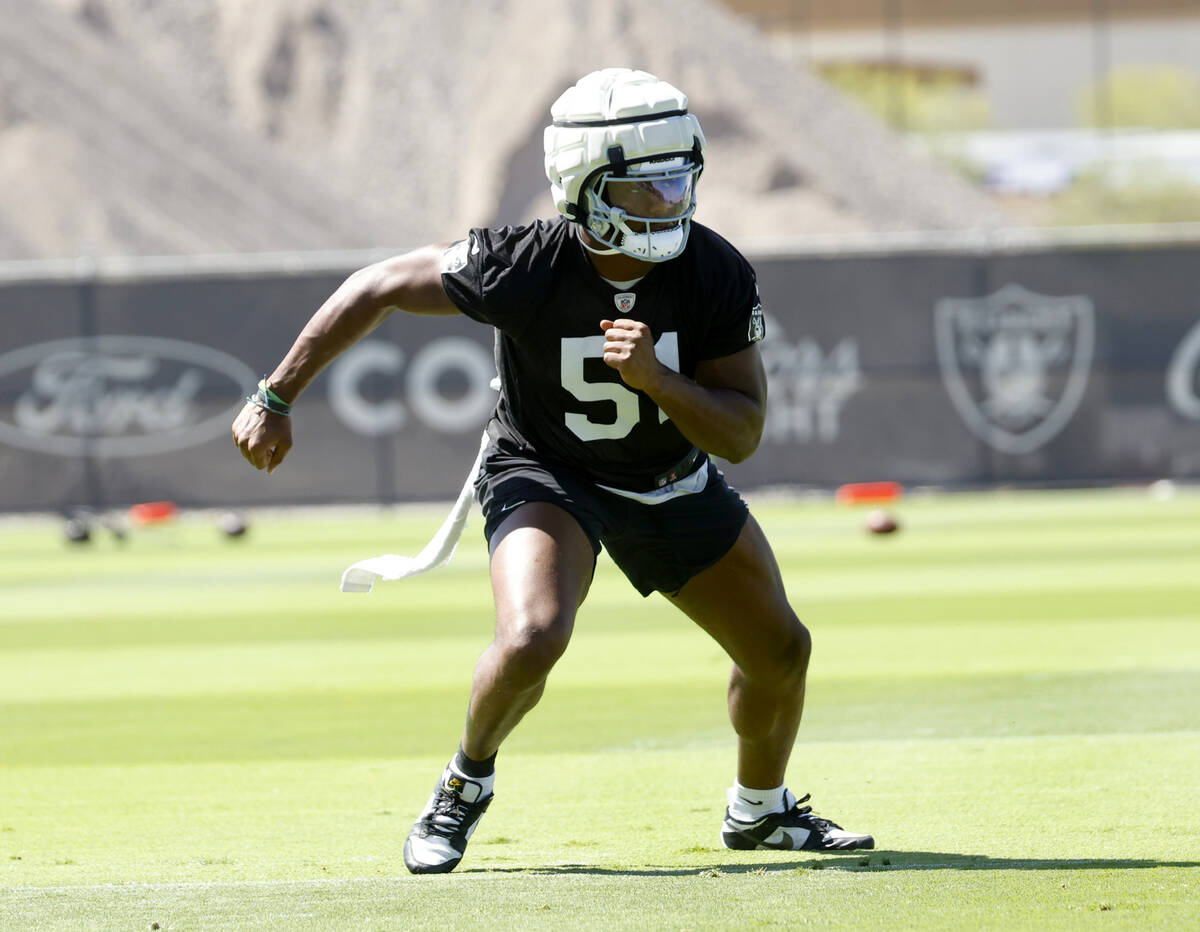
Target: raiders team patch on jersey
x,y
758,324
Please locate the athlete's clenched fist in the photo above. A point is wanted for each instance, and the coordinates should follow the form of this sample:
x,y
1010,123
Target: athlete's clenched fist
x,y
629,348
264,438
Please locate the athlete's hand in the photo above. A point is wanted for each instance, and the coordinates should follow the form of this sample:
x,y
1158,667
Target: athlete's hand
x,y
264,438
629,348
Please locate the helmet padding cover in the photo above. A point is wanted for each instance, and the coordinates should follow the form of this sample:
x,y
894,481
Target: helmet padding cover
x,y
607,121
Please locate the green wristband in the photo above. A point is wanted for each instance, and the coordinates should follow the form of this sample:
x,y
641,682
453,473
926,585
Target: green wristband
x,y
267,400
271,396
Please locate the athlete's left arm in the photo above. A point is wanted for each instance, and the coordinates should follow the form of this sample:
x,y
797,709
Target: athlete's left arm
x,y
722,411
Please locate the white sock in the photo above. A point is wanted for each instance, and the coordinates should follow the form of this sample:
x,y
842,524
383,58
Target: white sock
x,y
747,804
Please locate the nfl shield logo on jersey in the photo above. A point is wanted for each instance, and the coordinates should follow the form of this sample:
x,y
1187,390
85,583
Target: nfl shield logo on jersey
x,y
1015,363
625,301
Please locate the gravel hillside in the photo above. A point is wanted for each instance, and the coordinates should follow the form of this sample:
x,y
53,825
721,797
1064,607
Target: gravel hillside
x,y
184,126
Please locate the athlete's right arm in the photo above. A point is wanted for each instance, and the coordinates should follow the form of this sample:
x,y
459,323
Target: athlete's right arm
x,y
412,282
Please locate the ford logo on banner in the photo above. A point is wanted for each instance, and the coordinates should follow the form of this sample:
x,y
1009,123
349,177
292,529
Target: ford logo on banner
x,y
115,396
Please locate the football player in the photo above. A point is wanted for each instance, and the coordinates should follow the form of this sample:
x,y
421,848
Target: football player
x,y
626,348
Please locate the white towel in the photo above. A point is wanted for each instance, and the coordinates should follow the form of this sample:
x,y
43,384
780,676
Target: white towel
x,y
362,575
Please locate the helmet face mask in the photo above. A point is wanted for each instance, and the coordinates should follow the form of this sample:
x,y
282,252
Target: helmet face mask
x,y
623,156
644,212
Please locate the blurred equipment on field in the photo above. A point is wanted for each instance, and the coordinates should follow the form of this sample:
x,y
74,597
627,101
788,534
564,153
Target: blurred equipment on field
x,y
1162,490
116,526
153,513
79,525
155,518
881,521
878,520
868,493
77,530
232,524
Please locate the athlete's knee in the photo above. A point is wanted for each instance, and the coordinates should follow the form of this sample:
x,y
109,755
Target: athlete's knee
x,y
798,651
532,642
783,665
801,648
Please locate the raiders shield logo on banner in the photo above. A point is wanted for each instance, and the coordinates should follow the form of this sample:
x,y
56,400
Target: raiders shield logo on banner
x,y
624,301
1015,363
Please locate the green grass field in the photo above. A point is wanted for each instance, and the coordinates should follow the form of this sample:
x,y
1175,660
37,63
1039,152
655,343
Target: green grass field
x,y
198,733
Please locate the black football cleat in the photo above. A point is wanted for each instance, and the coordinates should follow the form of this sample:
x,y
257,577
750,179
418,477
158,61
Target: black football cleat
x,y
439,838
797,829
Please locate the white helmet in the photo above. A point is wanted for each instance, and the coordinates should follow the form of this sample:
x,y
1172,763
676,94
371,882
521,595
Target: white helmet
x,y
623,155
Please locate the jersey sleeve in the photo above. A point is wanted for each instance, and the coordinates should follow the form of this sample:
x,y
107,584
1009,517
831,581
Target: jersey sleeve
x,y
497,277
737,314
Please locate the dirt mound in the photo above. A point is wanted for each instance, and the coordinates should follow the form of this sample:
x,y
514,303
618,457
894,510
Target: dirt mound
x,y
233,125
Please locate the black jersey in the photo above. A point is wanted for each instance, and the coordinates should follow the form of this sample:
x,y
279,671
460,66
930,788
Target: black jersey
x,y
559,400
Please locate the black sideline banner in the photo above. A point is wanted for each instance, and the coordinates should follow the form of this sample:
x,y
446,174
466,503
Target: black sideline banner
x,y
1040,365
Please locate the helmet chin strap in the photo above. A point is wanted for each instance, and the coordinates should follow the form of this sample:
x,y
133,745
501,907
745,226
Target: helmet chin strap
x,y
610,251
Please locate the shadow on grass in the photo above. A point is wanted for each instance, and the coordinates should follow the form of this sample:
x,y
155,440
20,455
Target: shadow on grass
x,y
863,861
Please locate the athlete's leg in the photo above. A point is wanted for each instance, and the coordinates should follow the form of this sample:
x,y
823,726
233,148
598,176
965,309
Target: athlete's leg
x,y
541,567
542,564
741,602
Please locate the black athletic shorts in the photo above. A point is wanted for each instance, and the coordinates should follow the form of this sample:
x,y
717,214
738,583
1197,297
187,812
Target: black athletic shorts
x,y
658,547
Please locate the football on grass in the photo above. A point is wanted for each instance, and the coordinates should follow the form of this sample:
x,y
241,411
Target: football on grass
x,y
880,521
